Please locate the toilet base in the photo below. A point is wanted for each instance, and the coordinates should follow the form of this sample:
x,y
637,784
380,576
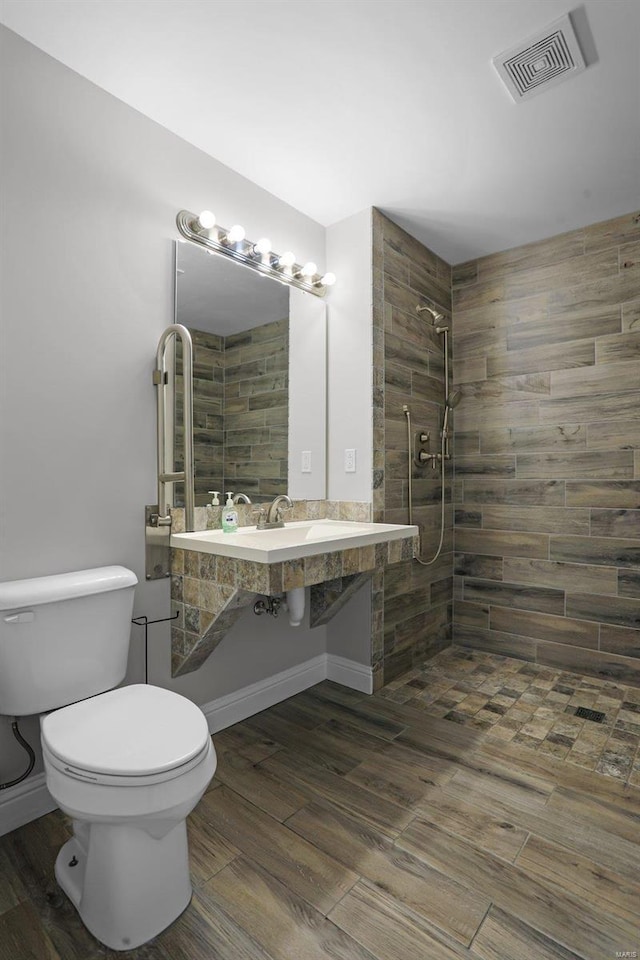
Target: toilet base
x,y
126,885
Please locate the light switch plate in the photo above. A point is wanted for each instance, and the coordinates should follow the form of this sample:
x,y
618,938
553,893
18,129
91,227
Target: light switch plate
x,y
350,460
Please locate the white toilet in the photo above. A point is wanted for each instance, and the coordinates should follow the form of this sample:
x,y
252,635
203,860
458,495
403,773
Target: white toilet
x,y
128,765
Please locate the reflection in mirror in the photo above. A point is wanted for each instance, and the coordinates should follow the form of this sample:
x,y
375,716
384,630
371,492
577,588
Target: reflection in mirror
x,y
259,380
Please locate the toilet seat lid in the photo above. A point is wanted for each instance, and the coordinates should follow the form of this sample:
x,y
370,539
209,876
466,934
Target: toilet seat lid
x,y
133,731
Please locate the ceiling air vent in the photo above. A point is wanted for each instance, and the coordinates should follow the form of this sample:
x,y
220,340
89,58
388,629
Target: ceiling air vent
x,y
550,57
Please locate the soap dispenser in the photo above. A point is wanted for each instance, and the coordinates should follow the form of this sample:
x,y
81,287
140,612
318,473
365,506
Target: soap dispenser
x,y
215,502
229,515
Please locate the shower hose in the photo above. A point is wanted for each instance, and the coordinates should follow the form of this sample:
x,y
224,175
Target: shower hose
x,y
425,563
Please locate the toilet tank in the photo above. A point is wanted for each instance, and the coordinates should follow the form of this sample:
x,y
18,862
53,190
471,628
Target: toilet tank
x,y
63,638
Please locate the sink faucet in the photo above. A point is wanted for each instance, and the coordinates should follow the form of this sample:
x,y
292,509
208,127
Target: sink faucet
x,y
273,517
241,498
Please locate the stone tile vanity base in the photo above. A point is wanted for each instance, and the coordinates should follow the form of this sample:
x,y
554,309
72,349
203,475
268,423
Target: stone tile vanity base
x,y
210,592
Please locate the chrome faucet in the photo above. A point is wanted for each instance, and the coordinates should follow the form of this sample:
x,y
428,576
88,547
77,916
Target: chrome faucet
x,y
241,498
273,517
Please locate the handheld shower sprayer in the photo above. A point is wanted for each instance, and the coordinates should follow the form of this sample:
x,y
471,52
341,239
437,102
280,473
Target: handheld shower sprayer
x,y
452,401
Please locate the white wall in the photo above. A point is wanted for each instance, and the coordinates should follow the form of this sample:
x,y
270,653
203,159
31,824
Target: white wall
x,y
90,191
308,395
350,352
349,408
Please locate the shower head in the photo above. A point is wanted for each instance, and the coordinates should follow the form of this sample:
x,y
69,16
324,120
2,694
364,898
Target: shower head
x,y
436,317
452,401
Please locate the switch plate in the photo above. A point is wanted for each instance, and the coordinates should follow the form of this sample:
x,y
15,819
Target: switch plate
x,y
350,460
306,461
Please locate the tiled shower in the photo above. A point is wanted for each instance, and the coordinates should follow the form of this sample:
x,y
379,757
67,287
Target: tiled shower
x,y
544,508
415,603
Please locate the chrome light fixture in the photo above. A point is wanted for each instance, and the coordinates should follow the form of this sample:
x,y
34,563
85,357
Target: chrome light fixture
x,y
262,249
203,230
234,236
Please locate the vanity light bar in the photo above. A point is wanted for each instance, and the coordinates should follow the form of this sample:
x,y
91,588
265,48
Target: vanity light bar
x,y
203,230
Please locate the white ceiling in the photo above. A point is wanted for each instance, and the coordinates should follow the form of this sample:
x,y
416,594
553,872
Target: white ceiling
x,y
337,105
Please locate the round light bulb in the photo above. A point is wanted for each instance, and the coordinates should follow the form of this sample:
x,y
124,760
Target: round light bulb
x,y
236,234
309,269
207,219
287,259
263,246
328,280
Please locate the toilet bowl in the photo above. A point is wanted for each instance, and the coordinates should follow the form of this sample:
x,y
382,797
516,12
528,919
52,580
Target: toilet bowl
x,y
127,766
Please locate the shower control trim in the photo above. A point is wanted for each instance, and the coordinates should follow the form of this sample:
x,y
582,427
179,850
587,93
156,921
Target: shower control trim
x,y
421,456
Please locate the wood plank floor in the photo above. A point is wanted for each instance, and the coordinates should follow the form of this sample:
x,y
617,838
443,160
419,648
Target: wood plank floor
x,y
347,827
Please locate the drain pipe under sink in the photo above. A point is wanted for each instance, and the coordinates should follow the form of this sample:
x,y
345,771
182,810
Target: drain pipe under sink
x,y
295,605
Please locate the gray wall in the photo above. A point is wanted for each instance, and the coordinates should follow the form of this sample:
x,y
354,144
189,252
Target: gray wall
x,y
90,191
349,633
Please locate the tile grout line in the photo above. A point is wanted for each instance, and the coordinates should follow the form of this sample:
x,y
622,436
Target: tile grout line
x,y
480,925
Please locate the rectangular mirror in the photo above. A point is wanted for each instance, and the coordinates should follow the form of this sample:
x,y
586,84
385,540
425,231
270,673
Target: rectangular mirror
x,y
259,381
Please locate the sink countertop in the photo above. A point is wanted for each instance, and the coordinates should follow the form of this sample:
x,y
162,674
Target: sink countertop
x,y
299,538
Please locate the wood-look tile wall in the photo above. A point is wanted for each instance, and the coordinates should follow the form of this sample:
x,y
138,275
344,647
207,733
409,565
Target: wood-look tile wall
x,y
256,410
240,412
411,603
208,399
547,451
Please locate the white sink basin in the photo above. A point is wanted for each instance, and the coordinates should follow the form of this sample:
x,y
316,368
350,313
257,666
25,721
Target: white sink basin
x,y
300,538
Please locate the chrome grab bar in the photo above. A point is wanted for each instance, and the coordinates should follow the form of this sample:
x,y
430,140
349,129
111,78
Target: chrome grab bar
x,y
160,379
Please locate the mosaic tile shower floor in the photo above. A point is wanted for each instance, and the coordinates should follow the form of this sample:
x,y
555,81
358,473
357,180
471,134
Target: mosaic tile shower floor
x,y
532,705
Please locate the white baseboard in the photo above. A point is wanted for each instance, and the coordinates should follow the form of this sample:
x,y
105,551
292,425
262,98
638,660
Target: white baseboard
x,y
25,802
29,800
349,673
248,701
